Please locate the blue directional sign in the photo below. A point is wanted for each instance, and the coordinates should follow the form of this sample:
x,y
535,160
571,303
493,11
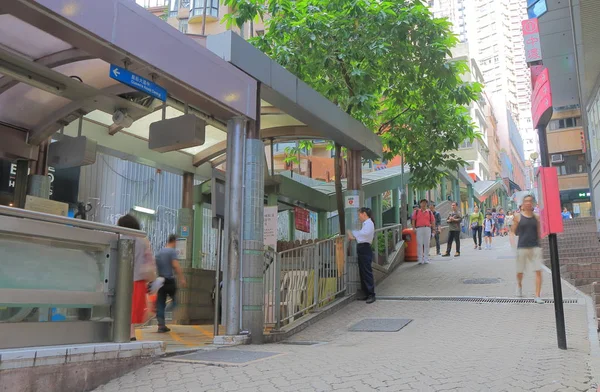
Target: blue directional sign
x,y
137,82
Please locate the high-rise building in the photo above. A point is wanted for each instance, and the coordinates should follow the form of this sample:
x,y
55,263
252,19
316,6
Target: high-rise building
x,y
492,29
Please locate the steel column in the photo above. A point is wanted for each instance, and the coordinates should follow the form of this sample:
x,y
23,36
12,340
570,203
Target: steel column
x,y
396,204
377,210
253,256
21,183
352,223
236,130
123,291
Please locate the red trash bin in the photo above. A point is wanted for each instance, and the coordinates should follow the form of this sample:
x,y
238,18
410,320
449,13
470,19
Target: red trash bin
x,y
409,236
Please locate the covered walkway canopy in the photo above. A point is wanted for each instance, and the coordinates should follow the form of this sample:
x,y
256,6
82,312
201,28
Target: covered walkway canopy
x,y
54,62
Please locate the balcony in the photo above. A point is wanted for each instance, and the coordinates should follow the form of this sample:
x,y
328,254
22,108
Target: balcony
x,y
197,11
573,181
564,140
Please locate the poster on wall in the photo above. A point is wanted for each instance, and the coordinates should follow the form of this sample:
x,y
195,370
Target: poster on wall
x,y
270,227
302,218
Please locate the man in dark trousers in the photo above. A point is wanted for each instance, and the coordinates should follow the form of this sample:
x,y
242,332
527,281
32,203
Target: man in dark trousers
x,y
438,225
454,219
167,266
364,238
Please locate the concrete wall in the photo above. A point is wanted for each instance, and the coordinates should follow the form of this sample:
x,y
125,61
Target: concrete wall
x,y
202,309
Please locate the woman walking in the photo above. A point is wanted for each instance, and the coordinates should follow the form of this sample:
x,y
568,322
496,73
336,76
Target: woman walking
x,y
144,271
364,238
476,222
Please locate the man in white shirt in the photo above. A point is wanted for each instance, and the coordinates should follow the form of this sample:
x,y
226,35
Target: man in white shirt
x,y
364,238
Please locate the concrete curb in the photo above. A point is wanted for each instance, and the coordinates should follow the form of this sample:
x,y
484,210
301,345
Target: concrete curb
x,y
309,320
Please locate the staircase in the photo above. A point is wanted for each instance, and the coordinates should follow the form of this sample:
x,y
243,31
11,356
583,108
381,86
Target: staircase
x,y
579,256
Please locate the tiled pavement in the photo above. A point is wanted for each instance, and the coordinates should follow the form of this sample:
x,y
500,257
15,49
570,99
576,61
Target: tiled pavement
x,y
449,346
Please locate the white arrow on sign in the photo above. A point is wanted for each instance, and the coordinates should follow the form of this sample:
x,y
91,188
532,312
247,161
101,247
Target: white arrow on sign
x,y
116,72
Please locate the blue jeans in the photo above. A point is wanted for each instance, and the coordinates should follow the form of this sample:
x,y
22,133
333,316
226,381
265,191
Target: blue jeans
x,y
168,289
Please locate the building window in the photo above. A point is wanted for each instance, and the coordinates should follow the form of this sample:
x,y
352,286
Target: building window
x,y
573,164
466,144
212,8
183,26
564,123
173,8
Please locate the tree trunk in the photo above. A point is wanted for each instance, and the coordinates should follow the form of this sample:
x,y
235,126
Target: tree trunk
x,y
337,163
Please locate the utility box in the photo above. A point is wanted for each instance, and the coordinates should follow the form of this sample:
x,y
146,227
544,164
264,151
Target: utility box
x,y
71,152
176,133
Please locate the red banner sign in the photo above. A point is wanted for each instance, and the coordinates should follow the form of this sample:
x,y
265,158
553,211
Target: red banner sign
x,y
541,99
302,219
549,201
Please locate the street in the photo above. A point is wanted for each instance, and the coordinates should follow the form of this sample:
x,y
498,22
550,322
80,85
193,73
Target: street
x,y
449,345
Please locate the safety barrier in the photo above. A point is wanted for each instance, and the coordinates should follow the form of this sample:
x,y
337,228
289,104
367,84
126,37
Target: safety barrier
x,y
386,243
63,280
303,279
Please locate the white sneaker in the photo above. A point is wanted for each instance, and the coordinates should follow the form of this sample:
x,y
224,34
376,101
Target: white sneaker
x,y
538,300
519,292
427,261
420,262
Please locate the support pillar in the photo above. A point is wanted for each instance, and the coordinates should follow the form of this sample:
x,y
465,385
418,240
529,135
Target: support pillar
x,y
185,232
253,253
322,225
456,191
470,197
197,261
396,205
236,130
21,184
444,189
410,197
354,188
377,202
291,225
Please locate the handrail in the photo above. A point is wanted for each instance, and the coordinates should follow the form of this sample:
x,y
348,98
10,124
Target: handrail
x,y
387,228
41,216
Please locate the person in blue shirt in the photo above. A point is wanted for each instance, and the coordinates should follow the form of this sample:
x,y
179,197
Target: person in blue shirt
x,y
566,215
488,230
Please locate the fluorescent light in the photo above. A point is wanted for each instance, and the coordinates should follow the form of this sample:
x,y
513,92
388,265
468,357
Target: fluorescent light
x,y
144,210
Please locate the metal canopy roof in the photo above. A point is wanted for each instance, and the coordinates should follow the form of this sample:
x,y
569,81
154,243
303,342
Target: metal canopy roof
x,y
483,189
286,92
47,82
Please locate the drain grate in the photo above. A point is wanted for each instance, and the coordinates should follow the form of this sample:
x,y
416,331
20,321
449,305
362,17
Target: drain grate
x,y
223,357
495,300
380,325
482,281
301,343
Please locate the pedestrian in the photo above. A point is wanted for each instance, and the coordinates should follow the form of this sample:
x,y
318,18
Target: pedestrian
x,y
495,220
454,220
438,225
566,215
488,230
476,222
167,267
509,220
527,227
364,238
424,222
144,271
500,218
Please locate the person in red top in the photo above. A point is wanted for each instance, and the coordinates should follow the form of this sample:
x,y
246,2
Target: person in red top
x,y
423,222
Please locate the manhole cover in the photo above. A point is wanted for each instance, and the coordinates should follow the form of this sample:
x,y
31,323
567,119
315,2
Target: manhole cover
x,y
224,357
482,281
380,325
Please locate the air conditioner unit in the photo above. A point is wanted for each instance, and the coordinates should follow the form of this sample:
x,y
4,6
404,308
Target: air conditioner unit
x,y
557,158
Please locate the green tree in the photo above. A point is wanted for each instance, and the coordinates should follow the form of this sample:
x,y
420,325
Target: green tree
x,y
386,63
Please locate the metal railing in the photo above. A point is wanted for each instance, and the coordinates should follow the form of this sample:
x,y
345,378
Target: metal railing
x,y
303,279
386,243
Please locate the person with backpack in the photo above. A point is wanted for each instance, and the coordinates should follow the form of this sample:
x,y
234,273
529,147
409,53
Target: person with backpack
x,y
476,222
438,224
424,223
488,230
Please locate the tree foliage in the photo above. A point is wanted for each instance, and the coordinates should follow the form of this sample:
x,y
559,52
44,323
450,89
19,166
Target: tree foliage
x,y
384,62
